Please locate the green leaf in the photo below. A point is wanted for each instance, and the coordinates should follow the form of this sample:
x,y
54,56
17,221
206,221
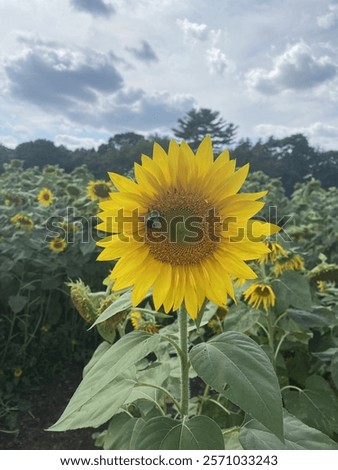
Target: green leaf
x,y
241,318
334,369
326,356
282,297
316,405
198,433
17,302
298,289
298,436
208,309
235,366
154,375
318,317
87,247
231,440
120,432
122,303
106,386
98,353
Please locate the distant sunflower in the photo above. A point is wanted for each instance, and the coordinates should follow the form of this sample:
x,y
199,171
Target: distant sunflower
x,y
290,263
23,222
98,190
136,319
276,251
58,245
18,373
260,294
45,197
181,228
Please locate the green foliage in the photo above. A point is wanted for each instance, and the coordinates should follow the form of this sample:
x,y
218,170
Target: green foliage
x,y
242,359
298,436
231,364
197,433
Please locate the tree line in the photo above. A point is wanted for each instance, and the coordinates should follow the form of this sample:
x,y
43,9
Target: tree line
x,y
291,158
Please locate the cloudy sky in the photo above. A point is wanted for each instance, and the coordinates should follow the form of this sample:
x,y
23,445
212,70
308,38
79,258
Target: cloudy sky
x,y
79,71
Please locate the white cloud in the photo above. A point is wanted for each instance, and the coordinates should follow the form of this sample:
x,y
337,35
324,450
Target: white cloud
x,y
318,133
330,19
192,30
72,142
295,69
85,87
56,77
8,141
217,61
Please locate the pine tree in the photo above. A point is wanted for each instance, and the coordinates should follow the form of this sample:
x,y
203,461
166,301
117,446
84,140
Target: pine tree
x,y
198,123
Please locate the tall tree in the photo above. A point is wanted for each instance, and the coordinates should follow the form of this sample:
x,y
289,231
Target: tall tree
x,y
197,123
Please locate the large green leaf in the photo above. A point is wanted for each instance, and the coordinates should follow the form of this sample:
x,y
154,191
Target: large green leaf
x,y
334,369
317,317
198,433
316,405
241,318
235,366
155,376
120,432
107,385
298,436
98,353
297,289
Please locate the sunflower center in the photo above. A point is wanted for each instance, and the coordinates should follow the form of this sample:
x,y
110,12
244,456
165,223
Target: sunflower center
x,y
101,190
182,228
263,291
46,196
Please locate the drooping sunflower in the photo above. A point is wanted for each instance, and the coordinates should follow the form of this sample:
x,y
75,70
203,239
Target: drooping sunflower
x,y
260,294
98,190
58,245
23,222
181,228
45,197
293,262
276,251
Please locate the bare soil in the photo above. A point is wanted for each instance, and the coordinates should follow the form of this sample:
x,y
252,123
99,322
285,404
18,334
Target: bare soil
x,y
47,406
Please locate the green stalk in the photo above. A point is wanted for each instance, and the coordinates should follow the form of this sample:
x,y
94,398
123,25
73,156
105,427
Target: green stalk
x,y
185,364
271,335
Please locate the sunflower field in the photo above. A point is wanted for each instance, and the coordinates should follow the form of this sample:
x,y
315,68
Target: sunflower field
x,y
194,334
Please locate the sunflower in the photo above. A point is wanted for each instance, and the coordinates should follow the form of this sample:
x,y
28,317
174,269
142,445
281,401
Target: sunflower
x,y
18,373
45,197
276,251
139,323
58,245
181,228
98,190
258,294
135,318
290,263
23,222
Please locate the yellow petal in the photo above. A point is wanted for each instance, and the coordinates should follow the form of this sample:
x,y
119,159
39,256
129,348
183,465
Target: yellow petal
x,y
144,281
204,156
122,183
162,285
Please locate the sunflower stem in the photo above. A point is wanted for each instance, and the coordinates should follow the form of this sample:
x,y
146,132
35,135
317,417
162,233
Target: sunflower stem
x,y
185,364
271,336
